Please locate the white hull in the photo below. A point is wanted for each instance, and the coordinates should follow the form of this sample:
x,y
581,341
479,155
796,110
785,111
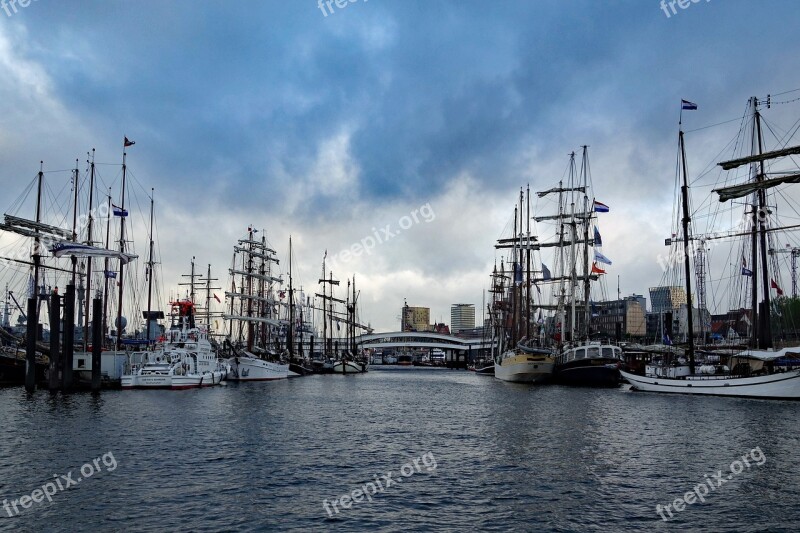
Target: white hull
x,y
348,367
253,369
190,381
522,369
783,385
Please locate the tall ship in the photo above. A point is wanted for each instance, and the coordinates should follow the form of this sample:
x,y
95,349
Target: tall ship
x,y
339,353
517,357
762,185
254,339
580,263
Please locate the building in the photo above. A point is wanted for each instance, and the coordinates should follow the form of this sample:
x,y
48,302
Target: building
x,y
462,316
667,298
639,298
415,319
628,313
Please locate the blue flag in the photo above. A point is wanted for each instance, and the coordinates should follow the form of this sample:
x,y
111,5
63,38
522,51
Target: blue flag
x,y
545,272
597,240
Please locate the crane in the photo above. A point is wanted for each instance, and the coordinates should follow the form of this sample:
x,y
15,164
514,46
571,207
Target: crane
x,y
794,253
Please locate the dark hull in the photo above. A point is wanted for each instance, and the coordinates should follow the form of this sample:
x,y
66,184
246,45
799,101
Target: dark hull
x,y
486,370
300,369
600,372
12,371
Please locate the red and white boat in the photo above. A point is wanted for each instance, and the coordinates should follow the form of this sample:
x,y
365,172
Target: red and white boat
x,y
186,360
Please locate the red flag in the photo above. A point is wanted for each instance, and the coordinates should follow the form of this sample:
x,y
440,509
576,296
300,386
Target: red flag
x,y
129,143
597,270
217,298
775,286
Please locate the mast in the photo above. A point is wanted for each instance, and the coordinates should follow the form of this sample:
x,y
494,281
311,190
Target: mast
x,y
686,253
513,287
562,298
106,273
572,253
89,259
120,281
528,268
290,329
765,333
250,325
586,224
75,220
150,269
36,241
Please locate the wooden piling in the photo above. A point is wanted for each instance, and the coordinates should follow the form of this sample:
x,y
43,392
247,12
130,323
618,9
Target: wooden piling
x,y
68,347
97,341
54,374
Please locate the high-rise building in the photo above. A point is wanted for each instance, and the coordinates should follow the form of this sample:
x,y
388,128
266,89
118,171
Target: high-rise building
x,y
667,298
462,316
415,319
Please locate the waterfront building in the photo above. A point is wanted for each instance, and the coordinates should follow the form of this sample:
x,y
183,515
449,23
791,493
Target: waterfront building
x,y
462,316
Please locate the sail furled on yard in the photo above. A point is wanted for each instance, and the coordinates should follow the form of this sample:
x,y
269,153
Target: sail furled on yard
x,y
734,163
738,191
71,249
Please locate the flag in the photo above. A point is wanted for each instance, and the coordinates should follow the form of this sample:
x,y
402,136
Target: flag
x,y
746,271
666,340
600,257
118,211
600,207
545,272
217,299
517,274
282,294
775,286
110,274
687,105
128,143
597,270
597,240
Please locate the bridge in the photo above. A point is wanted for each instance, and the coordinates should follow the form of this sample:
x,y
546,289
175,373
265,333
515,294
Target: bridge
x,y
458,351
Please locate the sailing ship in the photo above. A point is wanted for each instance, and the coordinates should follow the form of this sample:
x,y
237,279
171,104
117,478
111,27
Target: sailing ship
x,y
579,360
186,360
516,358
339,356
254,325
760,371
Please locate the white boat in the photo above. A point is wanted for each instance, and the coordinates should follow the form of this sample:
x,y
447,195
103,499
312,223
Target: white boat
x,y
248,367
757,377
758,373
349,367
185,361
517,366
256,327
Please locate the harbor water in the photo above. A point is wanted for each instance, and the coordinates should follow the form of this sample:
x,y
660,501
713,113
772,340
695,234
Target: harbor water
x,y
396,450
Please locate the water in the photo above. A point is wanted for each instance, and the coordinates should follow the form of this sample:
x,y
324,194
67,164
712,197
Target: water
x,y
490,456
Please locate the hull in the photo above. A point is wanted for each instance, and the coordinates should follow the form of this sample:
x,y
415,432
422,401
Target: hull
x,y
348,367
524,368
783,385
171,382
589,373
485,371
252,369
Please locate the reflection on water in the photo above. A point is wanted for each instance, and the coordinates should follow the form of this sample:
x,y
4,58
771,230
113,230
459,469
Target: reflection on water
x,y
258,456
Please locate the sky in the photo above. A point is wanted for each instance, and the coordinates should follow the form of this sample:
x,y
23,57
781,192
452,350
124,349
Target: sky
x,y
332,125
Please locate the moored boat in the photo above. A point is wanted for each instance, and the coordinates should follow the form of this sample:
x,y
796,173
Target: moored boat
x,y
185,361
592,364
